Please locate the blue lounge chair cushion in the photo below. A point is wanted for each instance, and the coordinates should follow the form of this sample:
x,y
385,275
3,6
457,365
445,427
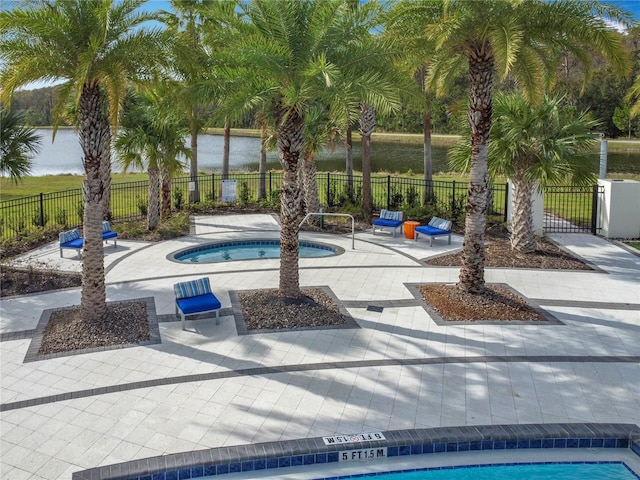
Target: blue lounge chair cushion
x,y
429,230
107,235
76,243
69,236
200,303
383,222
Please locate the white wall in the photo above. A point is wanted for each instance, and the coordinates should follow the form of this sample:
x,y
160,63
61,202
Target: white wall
x,y
619,208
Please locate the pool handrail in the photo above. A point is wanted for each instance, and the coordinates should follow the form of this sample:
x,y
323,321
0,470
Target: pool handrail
x,y
353,223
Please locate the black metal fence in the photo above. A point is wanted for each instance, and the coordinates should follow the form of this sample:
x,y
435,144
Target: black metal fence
x,y
64,209
572,208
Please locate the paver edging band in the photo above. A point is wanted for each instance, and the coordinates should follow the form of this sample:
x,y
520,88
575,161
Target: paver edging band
x,y
308,451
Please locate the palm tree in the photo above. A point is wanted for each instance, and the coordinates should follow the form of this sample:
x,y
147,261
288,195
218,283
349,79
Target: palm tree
x,y
285,43
508,38
95,47
18,143
534,147
151,137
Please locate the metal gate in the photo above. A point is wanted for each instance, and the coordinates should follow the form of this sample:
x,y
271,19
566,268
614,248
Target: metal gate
x,y
573,209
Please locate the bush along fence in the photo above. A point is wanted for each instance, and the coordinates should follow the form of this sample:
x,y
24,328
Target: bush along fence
x,y
129,200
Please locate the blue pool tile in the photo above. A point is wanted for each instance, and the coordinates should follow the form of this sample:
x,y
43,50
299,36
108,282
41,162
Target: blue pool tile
x,y
597,442
499,444
146,477
392,451
296,460
523,444
487,445
512,444
222,469
184,474
197,472
463,446
572,443
427,448
416,449
535,443
439,447
332,457
405,450
173,475
622,443
157,476
321,458
235,467
547,443
475,445
284,462
272,463
584,443
560,443
209,470
248,466
609,443
260,464
308,460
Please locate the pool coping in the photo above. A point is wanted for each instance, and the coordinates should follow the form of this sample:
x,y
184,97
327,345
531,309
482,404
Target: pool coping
x,y
309,451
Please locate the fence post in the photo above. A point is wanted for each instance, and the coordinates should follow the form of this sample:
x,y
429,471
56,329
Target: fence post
x,y
328,190
41,209
388,192
270,187
453,197
506,201
594,210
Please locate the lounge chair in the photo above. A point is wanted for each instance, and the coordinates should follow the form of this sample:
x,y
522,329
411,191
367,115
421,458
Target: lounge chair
x,y
195,297
437,227
108,234
388,219
71,239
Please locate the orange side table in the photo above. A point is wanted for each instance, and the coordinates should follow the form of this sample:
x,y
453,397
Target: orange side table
x,y
409,228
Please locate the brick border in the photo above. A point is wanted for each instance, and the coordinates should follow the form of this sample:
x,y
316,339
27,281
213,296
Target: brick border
x,y
32,352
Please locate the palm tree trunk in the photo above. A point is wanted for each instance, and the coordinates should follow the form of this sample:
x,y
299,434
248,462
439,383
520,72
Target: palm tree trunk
x,y
225,149
479,116
348,145
310,182
428,155
105,173
95,140
367,126
153,213
522,233
262,168
194,195
165,202
290,145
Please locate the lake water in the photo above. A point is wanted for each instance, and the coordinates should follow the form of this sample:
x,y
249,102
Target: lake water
x,y
64,156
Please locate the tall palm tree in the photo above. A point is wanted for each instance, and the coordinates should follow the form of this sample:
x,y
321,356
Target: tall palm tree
x,y
534,147
95,47
285,43
151,137
18,143
506,38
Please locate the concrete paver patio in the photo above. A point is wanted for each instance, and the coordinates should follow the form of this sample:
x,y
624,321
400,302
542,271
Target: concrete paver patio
x,y
66,414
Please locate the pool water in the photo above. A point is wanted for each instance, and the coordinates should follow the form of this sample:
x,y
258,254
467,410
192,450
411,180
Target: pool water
x,y
532,471
249,250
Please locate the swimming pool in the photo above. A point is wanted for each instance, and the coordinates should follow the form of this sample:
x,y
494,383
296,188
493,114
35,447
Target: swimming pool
x,y
249,250
520,471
